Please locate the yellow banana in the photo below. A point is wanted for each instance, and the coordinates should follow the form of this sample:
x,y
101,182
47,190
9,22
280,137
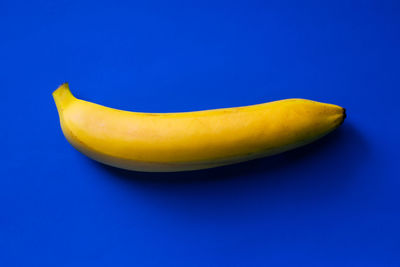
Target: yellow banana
x,y
167,142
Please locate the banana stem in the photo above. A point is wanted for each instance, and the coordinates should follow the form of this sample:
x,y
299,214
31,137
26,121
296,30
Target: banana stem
x,y
63,96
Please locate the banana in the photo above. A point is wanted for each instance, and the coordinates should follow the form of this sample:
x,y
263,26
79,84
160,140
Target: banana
x,y
169,142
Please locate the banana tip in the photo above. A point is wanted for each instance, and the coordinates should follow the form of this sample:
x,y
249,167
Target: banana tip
x,y
344,115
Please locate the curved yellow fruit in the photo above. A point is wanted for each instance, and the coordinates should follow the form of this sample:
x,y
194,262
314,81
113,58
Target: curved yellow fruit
x,y
164,142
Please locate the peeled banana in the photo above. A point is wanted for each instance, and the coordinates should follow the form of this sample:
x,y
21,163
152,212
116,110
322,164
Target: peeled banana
x,y
169,142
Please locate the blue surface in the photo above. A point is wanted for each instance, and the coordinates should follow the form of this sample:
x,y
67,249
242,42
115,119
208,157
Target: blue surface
x,y
333,203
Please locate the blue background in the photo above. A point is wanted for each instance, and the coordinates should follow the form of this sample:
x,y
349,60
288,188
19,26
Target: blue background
x,y
333,203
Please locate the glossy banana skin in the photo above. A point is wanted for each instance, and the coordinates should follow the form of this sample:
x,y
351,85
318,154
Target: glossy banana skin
x,y
170,142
